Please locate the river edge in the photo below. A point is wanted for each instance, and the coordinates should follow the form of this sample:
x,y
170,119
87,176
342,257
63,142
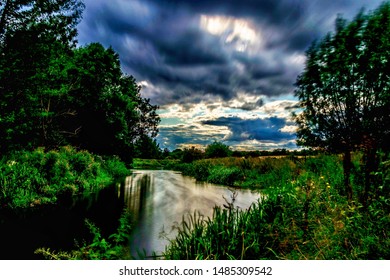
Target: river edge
x,y
47,226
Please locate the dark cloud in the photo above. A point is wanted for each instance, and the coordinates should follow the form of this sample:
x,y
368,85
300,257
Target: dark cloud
x,y
250,106
162,42
268,129
174,137
274,12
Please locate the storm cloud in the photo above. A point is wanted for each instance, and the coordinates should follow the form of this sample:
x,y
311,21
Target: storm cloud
x,y
257,129
213,52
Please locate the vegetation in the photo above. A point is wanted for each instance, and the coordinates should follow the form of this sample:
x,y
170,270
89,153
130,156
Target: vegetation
x,y
154,163
304,214
217,150
53,93
115,247
250,172
33,178
55,96
344,91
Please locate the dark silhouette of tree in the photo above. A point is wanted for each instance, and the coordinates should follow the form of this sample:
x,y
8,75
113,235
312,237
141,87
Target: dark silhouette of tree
x,y
191,154
344,89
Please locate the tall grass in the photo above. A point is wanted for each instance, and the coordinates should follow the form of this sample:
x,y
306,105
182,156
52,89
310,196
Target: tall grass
x,y
305,215
38,177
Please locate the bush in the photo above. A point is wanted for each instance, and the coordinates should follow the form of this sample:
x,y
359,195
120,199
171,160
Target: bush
x,y
225,175
37,177
192,154
115,247
217,150
303,215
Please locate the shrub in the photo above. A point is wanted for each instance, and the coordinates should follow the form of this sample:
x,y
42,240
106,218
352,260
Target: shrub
x,y
217,150
224,175
189,155
115,247
38,177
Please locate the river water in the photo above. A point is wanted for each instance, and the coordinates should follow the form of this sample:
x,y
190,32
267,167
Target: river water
x,y
157,199
160,199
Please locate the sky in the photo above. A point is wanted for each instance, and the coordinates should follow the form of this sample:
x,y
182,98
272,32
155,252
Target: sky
x,y
218,70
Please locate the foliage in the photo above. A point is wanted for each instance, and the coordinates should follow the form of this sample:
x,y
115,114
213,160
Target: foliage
x,y
147,148
53,93
217,150
344,91
191,154
223,175
166,164
57,18
100,248
344,88
304,217
29,179
36,41
253,173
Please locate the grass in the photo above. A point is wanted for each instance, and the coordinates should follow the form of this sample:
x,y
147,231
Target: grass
x,y
153,163
29,179
305,214
115,247
254,173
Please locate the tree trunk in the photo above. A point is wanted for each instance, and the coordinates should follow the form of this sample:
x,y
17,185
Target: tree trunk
x,y
347,174
371,165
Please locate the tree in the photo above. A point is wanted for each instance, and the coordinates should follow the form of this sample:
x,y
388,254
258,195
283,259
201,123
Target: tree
x,y
52,93
147,148
111,116
58,18
191,154
36,39
344,89
217,150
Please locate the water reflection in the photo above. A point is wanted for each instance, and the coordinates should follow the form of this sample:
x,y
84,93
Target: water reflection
x,y
159,199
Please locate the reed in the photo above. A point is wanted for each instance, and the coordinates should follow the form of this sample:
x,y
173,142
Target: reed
x,y
304,215
32,178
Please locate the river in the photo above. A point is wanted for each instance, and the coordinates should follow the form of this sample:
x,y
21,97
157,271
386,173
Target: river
x,y
157,199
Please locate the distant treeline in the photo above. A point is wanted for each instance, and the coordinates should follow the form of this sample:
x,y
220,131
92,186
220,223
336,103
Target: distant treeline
x,y
220,150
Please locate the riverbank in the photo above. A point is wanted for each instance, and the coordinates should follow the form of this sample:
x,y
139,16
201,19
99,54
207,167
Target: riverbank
x,y
306,214
33,178
259,172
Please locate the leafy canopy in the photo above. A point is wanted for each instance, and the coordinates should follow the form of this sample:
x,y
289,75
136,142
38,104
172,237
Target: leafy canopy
x,y
53,93
344,88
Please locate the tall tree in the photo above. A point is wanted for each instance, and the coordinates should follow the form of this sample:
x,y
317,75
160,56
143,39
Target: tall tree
x,y
111,114
344,89
35,39
56,17
52,93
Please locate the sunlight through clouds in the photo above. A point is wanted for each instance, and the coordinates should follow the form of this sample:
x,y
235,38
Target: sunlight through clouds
x,y
218,70
240,33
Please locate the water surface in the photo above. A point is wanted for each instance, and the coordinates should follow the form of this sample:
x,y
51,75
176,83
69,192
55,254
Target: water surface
x,y
157,199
